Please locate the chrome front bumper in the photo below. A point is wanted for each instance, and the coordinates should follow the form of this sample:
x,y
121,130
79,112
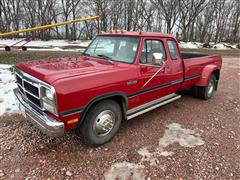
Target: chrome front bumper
x,y
44,122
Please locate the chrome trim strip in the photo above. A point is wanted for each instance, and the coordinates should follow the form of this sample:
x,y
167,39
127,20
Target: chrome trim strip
x,y
143,106
151,105
44,122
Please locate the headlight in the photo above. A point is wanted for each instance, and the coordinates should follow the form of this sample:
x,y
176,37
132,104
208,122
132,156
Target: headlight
x,y
49,94
49,100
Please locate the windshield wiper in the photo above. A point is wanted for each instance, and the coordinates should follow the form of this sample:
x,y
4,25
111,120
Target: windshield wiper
x,y
105,57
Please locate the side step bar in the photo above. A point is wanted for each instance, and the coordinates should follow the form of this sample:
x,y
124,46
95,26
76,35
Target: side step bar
x,y
134,112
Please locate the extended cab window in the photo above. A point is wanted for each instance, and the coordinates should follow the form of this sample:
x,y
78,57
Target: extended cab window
x,y
173,49
115,48
150,47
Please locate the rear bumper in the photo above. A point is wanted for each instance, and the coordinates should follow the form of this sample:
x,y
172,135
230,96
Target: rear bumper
x,y
45,123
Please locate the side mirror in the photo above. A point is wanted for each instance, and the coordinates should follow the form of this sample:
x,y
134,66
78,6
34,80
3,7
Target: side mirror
x,y
158,59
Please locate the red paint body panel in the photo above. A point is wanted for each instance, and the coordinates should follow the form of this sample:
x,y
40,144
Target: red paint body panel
x,y
78,81
203,66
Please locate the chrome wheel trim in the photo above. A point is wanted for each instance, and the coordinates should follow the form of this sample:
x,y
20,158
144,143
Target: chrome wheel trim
x,y
210,88
104,123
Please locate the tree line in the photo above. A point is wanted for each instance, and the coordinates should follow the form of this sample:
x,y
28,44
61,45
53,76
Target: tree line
x,y
188,20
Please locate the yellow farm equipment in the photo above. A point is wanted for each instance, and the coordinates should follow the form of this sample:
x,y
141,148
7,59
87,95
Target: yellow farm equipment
x,y
41,29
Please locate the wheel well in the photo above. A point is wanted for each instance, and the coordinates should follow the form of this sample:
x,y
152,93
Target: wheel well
x,y
120,99
122,103
216,73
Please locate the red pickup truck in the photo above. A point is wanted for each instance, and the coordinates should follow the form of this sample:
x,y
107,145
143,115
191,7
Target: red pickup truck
x,y
119,76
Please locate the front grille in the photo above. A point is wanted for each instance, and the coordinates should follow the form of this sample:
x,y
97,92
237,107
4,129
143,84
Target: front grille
x,y
19,80
29,88
21,89
33,99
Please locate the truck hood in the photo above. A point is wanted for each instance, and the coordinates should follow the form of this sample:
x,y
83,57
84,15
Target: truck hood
x,y
54,69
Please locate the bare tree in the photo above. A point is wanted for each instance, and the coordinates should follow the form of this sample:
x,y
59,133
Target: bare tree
x,y
236,22
192,20
189,10
205,20
169,10
223,10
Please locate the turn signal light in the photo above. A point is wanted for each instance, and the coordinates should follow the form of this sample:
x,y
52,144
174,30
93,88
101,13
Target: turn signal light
x,y
72,121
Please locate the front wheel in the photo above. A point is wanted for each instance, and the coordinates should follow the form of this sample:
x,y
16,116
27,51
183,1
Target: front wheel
x,y
207,91
102,123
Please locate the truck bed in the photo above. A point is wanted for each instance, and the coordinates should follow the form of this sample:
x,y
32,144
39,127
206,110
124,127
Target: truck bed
x,y
190,55
194,63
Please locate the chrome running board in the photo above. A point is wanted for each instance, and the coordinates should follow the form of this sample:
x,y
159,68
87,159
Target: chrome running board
x,y
134,112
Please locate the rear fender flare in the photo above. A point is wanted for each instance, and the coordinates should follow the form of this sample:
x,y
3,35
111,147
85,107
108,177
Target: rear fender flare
x,y
206,74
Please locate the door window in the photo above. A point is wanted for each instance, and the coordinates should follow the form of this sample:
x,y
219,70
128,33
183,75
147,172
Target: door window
x,y
173,49
150,47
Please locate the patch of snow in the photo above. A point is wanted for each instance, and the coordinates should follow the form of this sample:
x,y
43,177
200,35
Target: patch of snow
x,y
235,46
174,134
190,45
198,45
148,156
55,49
125,170
7,84
51,45
220,46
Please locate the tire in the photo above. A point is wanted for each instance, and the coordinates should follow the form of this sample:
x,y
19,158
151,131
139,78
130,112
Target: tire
x,y
7,48
206,92
24,48
97,129
194,91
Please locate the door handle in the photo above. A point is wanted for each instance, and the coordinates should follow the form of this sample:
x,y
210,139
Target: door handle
x,y
167,66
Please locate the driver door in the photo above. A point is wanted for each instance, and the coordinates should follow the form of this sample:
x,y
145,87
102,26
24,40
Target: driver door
x,y
155,79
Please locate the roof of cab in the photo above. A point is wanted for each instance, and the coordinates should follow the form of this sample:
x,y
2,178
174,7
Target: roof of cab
x,y
136,33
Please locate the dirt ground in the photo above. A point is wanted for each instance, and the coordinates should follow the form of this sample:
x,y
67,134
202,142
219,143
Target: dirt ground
x,y
187,139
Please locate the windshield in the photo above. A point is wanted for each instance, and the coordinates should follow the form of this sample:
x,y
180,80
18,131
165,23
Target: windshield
x,y
114,48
